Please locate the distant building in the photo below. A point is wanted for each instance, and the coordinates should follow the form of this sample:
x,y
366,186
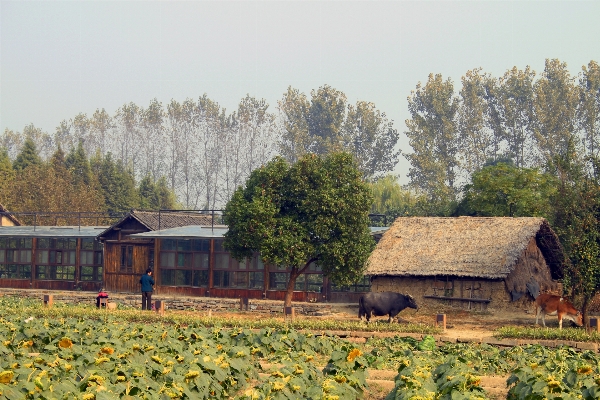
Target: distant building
x,y
6,218
468,262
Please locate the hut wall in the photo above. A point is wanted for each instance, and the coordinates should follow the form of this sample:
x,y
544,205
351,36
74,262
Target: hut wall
x,y
448,291
15,283
531,265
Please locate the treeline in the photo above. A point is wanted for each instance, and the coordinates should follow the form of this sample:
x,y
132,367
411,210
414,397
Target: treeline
x,y
510,146
203,153
75,183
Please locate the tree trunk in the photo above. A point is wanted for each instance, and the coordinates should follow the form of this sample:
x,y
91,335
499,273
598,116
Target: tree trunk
x,y
287,300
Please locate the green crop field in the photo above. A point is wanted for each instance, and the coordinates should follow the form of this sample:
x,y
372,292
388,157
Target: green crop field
x,y
69,352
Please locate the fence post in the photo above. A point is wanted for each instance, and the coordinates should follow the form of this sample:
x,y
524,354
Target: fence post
x,y
159,306
440,321
289,311
48,300
243,304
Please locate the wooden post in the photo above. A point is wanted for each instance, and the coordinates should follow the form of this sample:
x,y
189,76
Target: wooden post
x,y
209,313
159,306
289,311
440,321
48,300
243,304
593,325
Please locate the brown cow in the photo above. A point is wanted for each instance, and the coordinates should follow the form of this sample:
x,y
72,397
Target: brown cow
x,y
550,304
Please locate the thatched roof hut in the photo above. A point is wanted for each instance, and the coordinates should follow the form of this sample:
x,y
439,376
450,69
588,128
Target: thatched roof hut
x,y
471,248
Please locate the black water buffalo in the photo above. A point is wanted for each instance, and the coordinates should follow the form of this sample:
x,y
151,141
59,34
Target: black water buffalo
x,y
384,303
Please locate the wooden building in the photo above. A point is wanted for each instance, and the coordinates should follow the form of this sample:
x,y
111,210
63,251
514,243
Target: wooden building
x,y
188,258
51,257
7,218
126,258
467,261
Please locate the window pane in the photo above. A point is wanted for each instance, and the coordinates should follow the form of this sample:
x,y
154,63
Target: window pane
x,y
167,277
183,277
300,283
87,273
219,245
278,280
201,245
59,258
87,244
71,257
221,278
184,260
168,244
27,243
43,243
98,255
184,245
200,278
1,256
222,261
256,280
259,263
86,257
40,271
200,260
42,256
314,282
11,255
239,279
167,260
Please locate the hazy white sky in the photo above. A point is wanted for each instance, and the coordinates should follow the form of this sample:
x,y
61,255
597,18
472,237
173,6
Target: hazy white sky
x,y
61,58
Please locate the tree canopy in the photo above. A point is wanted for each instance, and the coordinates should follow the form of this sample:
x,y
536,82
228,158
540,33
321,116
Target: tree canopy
x,y
312,211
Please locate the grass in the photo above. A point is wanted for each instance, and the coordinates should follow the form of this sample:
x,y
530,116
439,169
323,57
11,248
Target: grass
x,y
35,309
540,333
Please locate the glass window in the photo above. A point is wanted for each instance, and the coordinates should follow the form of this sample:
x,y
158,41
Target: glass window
x,y
42,256
184,245
183,277
201,260
201,245
168,244
167,260
256,280
200,278
222,261
221,279
43,243
184,260
1,256
278,280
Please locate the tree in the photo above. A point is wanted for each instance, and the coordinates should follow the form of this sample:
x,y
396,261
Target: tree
x,y
392,200
7,173
588,112
327,124
371,139
504,190
79,165
478,143
117,183
28,156
432,134
554,106
315,210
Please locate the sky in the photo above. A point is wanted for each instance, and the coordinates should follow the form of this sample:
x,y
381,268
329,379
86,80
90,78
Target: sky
x,y
58,59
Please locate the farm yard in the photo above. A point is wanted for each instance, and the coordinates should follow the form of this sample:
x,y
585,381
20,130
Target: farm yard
x,y
79,352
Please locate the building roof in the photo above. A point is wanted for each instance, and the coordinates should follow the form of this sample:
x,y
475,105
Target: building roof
x,y
201,231
51,231
155,220
464,247
185,232
5,213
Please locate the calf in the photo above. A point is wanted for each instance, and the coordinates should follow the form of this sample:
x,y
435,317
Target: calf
x,y
384,303
549,304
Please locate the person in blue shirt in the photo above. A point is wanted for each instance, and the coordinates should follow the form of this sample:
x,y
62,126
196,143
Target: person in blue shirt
x,y
147,287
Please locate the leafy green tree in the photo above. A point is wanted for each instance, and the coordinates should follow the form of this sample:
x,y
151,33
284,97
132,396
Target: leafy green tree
x,y
392,200
28,156
503,190
295,140
79,165
576,209
315,210
7,173
116,182
156,195
432,133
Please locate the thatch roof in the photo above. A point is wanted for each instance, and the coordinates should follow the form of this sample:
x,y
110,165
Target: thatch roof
x,y
153,220
462,247
7,214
